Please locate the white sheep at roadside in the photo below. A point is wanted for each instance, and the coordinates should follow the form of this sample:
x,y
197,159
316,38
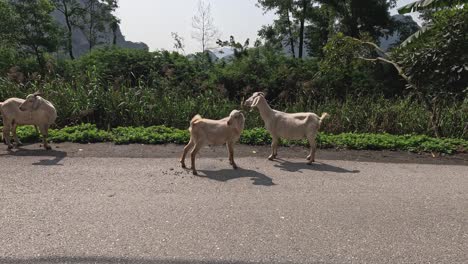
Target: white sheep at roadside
x,y
214,132
35,110
286,125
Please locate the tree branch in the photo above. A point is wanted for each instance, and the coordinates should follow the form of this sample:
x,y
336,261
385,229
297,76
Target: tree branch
x,y
397,67
373,45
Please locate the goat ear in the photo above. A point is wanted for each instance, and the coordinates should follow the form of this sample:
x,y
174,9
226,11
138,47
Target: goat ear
x,y
230,120
255,102
36,103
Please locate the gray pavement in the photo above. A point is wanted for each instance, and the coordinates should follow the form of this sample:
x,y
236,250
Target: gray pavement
x,y
121,204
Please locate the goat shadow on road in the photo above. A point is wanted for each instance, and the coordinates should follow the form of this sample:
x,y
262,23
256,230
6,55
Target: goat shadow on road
x,y
56,155
230,174
301,166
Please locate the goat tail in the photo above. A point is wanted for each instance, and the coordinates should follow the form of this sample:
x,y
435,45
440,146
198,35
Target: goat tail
x,y
324,115
195,118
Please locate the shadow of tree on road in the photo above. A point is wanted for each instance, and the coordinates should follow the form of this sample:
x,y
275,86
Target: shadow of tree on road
x,y
229,174
56,155
300,166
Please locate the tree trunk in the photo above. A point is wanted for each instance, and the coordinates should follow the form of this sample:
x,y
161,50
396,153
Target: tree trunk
x,y
114,38
39,57
91,25
69,34
301,30
430,105
291,37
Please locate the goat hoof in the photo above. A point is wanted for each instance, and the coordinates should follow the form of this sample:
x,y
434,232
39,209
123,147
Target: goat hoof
x,y
234,166
10,146
271,157
48,147
183,166
194,172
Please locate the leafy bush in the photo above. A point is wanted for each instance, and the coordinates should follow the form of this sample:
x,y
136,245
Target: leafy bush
x,y
91,102
150,135
84,133
87,133
342,74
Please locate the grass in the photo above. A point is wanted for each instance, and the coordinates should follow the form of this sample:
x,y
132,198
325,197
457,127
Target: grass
x,y
89,133
88,101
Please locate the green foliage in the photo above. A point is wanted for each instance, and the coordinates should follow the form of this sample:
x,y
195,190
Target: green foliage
x,y
73,13
422,5
355,17
113,64
263,69
108,107
84,133
8,23
437,62
341,74
150,135
98,14
36,32
87,133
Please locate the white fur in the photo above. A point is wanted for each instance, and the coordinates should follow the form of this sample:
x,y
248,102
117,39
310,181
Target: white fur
x,y
286,125
35,110
214,132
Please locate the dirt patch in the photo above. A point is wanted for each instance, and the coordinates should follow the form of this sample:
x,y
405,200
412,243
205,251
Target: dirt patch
x,y
111,150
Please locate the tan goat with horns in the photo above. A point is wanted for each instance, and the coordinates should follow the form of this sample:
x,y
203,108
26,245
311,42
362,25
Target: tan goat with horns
x,y
286,125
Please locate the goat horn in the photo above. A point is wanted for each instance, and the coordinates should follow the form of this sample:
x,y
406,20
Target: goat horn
x,y
37,93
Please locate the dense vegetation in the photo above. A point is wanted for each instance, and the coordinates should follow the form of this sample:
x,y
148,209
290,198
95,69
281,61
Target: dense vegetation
x,y
425,94
87,133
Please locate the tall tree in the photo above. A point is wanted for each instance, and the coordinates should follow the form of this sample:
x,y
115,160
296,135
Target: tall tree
x,y
9,22
114,25
38,32
302,13
204,29
283,28
178,42
318,30
72,11
435,65
97,19
357,16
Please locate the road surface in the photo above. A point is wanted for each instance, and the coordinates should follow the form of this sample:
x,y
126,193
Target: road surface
x,y
103,203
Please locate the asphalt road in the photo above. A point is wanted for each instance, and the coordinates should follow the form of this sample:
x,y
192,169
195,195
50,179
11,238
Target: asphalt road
x,y
134,204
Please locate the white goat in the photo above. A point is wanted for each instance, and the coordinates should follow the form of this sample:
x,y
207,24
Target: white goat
x,y
285,125
214,132
35,110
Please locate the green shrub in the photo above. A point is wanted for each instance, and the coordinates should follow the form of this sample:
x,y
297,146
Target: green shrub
x,y
87,133
84,133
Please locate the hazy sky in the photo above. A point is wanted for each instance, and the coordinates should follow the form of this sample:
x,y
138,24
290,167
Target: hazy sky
x,y
152,21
